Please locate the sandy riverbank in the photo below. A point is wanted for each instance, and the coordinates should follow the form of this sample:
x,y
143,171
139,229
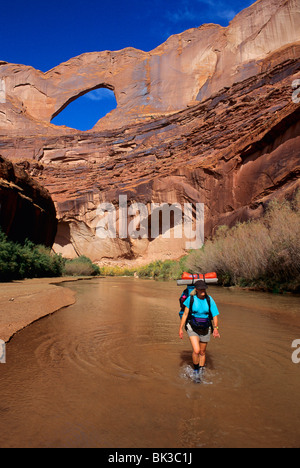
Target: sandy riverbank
x,y
24,302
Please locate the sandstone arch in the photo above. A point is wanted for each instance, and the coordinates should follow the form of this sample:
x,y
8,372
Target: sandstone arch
x,y
188,67
80,94
218,150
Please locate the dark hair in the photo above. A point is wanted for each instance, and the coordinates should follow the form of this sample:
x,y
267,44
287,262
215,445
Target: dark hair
x,y
200,285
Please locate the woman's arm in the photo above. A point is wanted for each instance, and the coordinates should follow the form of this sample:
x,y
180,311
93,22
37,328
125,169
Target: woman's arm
x,y
183,321
216,333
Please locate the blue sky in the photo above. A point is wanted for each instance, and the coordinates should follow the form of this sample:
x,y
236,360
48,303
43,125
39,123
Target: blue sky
x,y
44,34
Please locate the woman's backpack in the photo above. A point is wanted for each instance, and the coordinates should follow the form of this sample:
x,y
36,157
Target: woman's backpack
x,y
186,293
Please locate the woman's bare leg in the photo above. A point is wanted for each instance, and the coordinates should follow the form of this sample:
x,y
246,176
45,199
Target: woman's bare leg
x,y
196,349
202,358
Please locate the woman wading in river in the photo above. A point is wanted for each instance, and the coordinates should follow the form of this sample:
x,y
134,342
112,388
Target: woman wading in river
x,y
199,319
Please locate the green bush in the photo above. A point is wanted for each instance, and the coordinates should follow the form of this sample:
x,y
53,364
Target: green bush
x,y
159,270
264,253
27,261
81,266
116,271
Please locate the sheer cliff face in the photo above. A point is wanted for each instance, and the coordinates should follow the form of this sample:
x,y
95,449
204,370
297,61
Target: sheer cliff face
x,y
207,117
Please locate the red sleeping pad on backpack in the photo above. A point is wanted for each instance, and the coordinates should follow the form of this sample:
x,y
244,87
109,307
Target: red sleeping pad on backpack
x,y
189,278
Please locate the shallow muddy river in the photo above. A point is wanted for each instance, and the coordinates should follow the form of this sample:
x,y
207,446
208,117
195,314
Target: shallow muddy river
x,y
111,371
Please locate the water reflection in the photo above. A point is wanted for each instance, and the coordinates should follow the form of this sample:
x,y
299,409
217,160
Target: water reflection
x,y
110,371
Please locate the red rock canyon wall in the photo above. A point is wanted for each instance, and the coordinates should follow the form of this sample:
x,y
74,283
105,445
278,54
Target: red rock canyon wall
x,y
207,117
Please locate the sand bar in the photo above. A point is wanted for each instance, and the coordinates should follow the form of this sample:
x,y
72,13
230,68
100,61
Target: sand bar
x,y
24,302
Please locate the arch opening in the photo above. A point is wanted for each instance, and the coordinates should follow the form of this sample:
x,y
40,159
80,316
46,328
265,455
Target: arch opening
x,y
83,111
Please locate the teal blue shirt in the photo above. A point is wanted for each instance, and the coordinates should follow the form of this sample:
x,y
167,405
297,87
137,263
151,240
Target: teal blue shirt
x,y
200,307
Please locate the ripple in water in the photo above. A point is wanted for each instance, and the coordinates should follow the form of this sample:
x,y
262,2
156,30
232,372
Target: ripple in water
x,y
187,374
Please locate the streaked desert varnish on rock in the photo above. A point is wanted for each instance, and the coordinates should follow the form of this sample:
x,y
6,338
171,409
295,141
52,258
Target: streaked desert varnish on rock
x,y
207,117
